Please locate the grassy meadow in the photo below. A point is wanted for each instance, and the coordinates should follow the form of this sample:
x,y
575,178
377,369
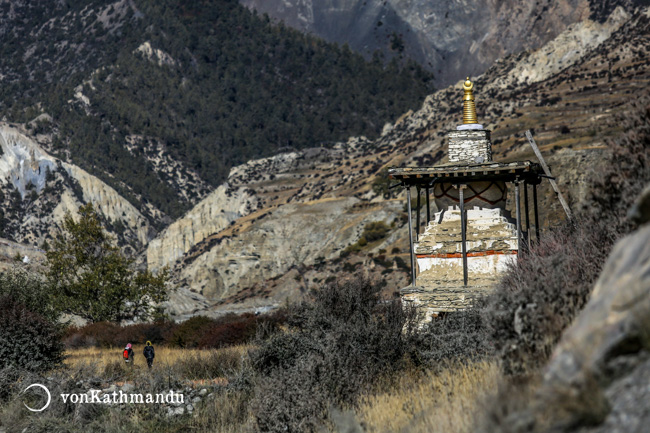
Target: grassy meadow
x,y
416,401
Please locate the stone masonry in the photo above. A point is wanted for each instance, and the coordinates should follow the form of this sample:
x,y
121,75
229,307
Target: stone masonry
x,y
470,146
491,246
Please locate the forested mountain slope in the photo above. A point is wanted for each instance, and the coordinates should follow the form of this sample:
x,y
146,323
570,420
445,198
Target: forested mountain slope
x,y
160,99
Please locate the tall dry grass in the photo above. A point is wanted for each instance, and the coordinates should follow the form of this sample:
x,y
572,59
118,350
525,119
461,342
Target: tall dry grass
x,y
432,402
191,364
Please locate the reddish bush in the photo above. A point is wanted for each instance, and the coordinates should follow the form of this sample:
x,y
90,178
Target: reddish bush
x,y
188,333
198,331
106,334
230,331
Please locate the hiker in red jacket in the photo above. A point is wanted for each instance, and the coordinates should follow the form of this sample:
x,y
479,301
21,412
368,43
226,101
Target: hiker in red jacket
x,y
128,353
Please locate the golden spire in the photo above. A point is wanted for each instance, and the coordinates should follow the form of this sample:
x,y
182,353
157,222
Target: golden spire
x,y
469,108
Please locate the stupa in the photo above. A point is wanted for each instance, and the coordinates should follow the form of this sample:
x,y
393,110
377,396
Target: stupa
x,y
472,237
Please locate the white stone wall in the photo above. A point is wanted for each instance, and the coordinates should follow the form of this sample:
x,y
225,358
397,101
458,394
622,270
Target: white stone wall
x,y
486,266
470,146
491,246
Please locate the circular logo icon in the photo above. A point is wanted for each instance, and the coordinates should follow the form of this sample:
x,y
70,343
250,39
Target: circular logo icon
x,y
47,391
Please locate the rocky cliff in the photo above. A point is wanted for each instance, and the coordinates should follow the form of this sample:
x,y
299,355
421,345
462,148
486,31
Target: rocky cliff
x,y
454,38
213,214
38,189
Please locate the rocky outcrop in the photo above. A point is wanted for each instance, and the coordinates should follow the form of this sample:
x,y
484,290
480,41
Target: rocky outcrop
x,y
49,188
290,236
23,165
211,215
567,48
599,372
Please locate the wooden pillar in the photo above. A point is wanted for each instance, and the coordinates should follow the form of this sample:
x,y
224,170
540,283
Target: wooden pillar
x,y
417,215
535,213
518,212
408,205
428,207
463,228
527,216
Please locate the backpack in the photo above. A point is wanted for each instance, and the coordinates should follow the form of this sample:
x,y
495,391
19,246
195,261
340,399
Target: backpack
x,y
126,354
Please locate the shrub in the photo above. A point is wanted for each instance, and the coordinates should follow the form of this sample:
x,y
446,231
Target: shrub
x,y
455,337
372,232
27,339
375,230
539,297
189,333
100,334
231,332
29,290
336,348
198,331
157,332
107,334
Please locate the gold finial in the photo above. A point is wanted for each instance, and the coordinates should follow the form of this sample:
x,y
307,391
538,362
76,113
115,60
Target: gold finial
x,y
469,108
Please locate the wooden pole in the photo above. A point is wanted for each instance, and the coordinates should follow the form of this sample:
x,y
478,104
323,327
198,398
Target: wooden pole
x,y
518,211
417,216
527,216
535,213
564,204
428,207
408,204
463,234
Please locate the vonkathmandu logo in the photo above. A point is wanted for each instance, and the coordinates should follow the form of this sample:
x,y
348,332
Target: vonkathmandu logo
x,y
47,391
95,396
120,397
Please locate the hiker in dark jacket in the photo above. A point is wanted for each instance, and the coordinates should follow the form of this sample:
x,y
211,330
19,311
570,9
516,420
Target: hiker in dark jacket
x,y
149,353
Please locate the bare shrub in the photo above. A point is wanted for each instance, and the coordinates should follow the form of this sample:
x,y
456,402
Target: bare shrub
x,y
107,334
336,349
27,339
461,336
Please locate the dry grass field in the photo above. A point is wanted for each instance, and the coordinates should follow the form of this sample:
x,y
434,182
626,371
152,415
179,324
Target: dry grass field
x,y
443,401
191,365
432,402
164,355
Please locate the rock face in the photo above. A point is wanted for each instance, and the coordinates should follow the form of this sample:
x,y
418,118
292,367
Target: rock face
x,y
109,203
451,38
602,363
213,214
292,235
39,189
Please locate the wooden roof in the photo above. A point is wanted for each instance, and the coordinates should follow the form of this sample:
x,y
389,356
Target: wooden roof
x,y
528,171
